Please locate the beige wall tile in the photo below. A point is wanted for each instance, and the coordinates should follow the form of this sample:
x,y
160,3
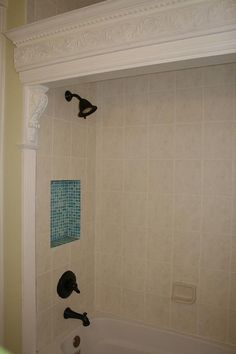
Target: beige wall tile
x,y
159,245
134,241
110,88
113,143
162,81
186,248
134,273
217,177
188,141
189,105
212,322
61,326
161,107
160,211
109,238
219,103
61,138
188,177
217,140
45,136
216,251
108,269
62,108
136,109
219,74
60,168
44,329
112,111
135,209
136,142
184,318
217,214
43,254
77,170
44,172
188,212
161,176
136,84
135,176
79,141
133,304
112,175
214,288
112,207
108,298
189,78
157,310
161,142
185,273
158,278
44,291
60,256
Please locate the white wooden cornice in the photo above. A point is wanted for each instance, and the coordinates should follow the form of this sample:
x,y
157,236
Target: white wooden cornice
x,y
116,27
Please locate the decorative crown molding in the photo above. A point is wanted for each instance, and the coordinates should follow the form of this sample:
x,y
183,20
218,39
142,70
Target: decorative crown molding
x,y
36,102
116,26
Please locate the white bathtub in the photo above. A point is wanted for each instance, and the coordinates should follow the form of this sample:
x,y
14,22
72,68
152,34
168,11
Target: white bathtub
x,y
109,336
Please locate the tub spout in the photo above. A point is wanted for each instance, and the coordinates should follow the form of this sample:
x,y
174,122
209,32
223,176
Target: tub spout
x,y
68,313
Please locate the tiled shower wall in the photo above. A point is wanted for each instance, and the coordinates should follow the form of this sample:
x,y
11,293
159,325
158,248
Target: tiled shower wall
x,y
165,163
67,151
166,199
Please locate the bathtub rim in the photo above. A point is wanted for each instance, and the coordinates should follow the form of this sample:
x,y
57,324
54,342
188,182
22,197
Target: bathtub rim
x,y
161,330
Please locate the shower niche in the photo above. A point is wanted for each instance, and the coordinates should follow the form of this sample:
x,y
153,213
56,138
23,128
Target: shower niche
x,y
65,212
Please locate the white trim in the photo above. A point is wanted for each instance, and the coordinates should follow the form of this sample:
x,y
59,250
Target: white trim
x,y
35,102
28,252
2,99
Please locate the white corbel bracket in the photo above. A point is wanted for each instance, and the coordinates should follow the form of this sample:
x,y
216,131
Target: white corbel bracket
x,y
35,103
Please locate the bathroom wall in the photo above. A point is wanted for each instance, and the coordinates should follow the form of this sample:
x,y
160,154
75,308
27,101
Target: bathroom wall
x,y
12,190
67,151
166,199
40,9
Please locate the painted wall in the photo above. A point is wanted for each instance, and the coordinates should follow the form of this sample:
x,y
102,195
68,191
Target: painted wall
x,y
166,192
12,190
67,151
40,9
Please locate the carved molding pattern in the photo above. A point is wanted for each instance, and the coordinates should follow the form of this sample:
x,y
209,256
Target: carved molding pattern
x,y
37,103
188,19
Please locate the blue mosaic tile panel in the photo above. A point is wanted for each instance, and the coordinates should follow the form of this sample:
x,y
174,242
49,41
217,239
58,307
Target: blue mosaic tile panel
x,y
65,211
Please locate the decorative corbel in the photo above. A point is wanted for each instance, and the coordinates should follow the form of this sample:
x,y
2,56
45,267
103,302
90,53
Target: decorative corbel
x,y
36,102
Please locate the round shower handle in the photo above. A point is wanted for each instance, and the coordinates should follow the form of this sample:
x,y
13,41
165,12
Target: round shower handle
x,y
67,284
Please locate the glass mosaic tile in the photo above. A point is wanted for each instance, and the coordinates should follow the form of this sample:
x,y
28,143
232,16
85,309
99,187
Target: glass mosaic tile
x,y
65,211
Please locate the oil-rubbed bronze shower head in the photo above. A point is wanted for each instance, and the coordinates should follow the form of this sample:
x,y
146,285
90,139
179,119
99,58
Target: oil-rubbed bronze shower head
x,y
85,107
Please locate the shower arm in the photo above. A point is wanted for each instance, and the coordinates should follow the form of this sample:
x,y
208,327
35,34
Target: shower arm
x,y
69,96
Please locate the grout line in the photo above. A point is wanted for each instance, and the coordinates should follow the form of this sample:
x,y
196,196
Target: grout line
x,y
173,203
202,188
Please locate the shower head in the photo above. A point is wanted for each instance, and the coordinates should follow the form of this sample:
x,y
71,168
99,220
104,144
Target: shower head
x,y
85,107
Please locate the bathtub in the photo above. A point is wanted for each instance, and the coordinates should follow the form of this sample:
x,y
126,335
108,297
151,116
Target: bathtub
x,y
109,336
